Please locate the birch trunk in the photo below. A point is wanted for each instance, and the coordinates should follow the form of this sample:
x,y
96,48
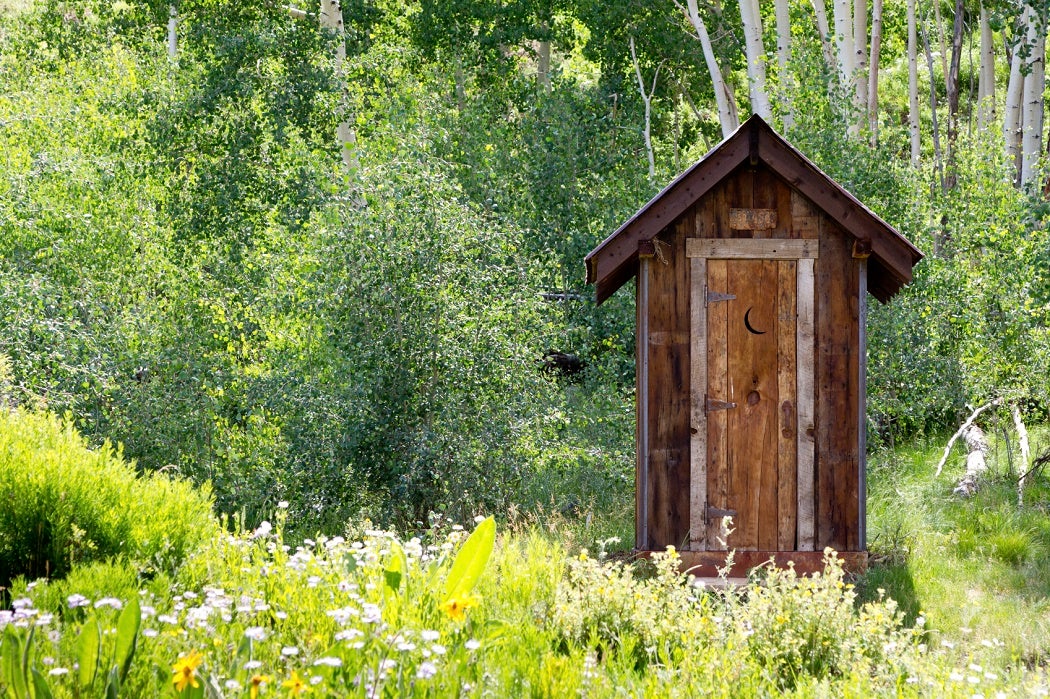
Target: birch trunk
x,y
1026,452
913,85
1034,87
1012,110
756,66
860,48
727,112
986,81
647,100
843,10
873,71
976,461
783,15
331,17
937,158
824,31
173,37
543,65
952,77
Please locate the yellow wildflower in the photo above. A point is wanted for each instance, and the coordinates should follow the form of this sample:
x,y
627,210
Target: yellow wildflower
x,y
456,607
185,670
295,685
256,682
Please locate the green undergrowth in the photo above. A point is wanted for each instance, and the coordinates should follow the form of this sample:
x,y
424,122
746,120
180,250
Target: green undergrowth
x,y
976,569
451,614
63,505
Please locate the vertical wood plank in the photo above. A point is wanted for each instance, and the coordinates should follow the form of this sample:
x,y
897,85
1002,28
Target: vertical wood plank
x,y
752,445
717,387
837,368
641,471
862,410
787,433
698,390
806,385
669,390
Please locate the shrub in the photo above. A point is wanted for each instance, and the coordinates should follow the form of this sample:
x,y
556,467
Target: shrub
x,y
62,503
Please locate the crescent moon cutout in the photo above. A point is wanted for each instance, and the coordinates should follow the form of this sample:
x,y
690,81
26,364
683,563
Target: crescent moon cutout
x,y
747,323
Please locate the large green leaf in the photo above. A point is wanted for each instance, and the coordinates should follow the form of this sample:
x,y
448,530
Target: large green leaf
x,y
88,645
127,635
471,560
40,687
11,668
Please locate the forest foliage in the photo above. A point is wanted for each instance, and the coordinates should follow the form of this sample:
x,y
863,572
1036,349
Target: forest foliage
x,y
187,269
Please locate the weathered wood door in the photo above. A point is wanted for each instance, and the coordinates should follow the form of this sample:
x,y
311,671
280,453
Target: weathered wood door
x,y
752,394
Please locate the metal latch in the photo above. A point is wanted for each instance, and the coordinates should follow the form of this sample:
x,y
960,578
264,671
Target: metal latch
x,y
716,296
714,404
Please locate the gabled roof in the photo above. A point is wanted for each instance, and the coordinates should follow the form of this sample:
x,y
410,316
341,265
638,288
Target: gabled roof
x,y
615,260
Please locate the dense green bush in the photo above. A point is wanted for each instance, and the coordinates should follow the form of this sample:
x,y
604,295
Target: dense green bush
x,y
62,504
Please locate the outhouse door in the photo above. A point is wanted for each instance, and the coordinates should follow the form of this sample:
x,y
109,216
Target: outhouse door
x,y
752,394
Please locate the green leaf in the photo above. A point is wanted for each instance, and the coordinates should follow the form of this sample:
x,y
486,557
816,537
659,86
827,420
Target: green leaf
x,y
11,670
471,560
40,688
113,683
87,649
396,568
127,635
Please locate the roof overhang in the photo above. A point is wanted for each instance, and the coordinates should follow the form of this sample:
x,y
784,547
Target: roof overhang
x,y
615,259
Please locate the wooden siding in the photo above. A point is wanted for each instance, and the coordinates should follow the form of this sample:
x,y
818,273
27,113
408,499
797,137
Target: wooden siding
x,y
835,455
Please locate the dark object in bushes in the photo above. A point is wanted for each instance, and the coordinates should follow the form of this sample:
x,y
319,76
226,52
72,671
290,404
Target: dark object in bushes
x,y
562,364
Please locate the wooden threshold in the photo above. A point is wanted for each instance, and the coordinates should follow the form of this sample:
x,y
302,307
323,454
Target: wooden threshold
x,y
707,564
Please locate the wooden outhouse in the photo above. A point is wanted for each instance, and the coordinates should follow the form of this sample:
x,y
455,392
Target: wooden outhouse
x,y
752,272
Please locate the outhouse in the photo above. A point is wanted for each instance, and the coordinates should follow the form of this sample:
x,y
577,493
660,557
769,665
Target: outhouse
x,y
752,272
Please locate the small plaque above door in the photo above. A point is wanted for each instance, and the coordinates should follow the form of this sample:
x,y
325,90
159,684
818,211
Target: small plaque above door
x,y
752,219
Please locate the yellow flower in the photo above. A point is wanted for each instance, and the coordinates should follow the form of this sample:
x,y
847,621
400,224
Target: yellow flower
x,y
295,685
254,684
456,607
185,670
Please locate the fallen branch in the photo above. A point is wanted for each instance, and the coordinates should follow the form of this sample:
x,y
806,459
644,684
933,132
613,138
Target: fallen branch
x,y
976,461
1022,438
965,425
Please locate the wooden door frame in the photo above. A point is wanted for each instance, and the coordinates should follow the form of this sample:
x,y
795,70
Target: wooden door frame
x,y
804,252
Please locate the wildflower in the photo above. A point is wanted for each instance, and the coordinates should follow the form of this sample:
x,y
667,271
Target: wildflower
x,y
255,682
289,651
56,671
328,661
255,633
77,600
295,685
185,670
426,670
456,607
472,644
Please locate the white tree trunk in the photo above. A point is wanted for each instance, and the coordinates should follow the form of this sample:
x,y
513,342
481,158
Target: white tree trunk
x,y
756,66
783,15
1026,452
543,64
976,461
873,70
1034,86
913,85
331,17
727,112
844,38
824,30
1012,111
986,75
860,48
173,37
647,100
